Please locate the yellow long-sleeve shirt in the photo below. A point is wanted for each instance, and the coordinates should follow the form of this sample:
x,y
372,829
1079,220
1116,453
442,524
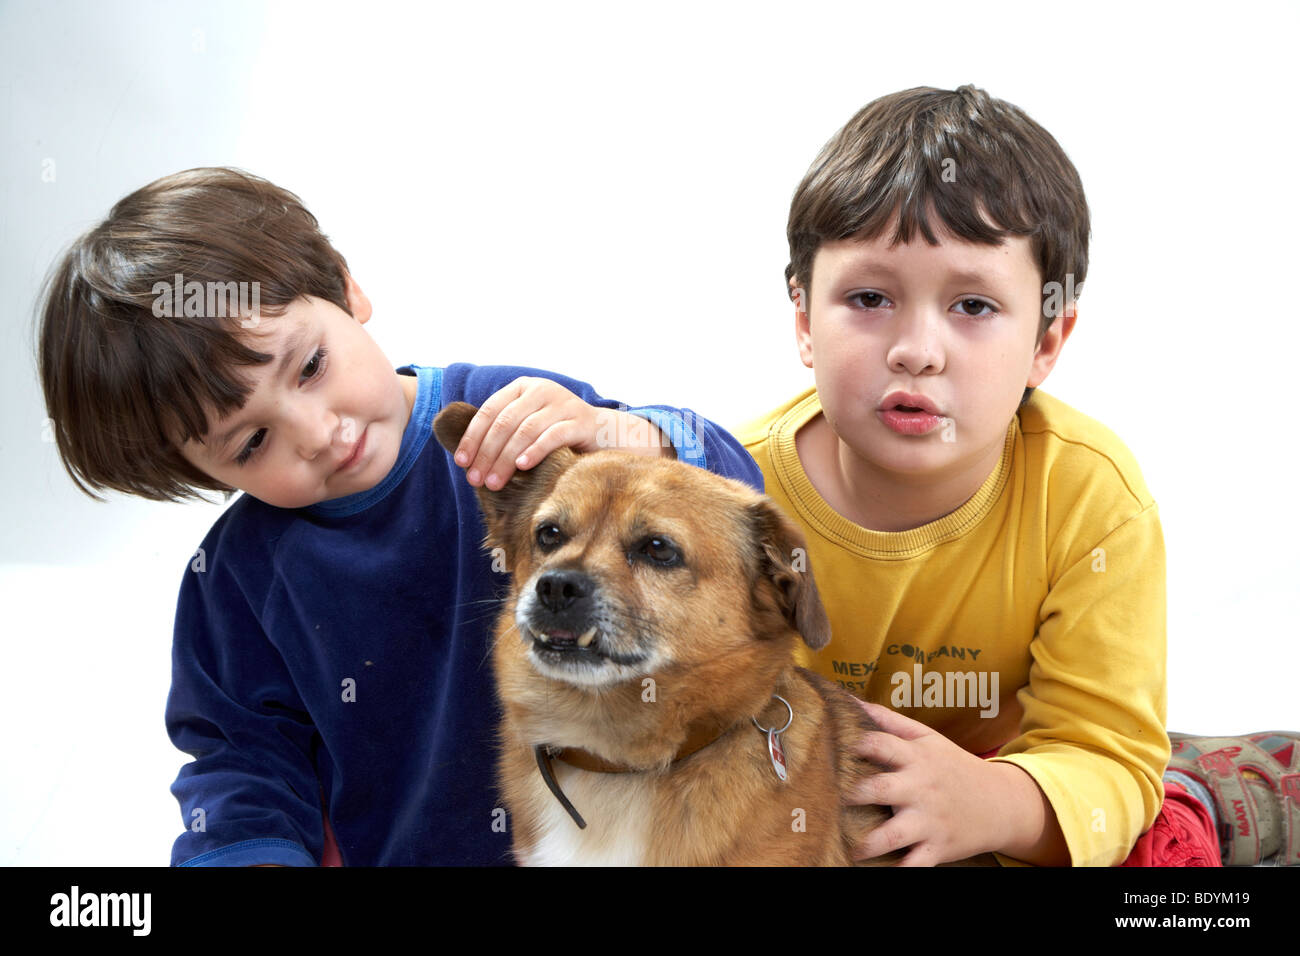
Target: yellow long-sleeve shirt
x,y
1032,617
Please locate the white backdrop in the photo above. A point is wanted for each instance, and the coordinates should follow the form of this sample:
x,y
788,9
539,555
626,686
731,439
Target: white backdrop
x,y
603,191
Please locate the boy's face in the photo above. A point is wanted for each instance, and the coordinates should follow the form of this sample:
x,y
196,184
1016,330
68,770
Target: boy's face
x,y
304,420
954,323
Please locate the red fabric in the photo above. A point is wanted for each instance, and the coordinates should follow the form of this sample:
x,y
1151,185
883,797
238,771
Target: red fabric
x,y
1182,835
330,855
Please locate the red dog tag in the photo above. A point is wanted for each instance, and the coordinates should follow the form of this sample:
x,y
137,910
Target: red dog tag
x,y
777,754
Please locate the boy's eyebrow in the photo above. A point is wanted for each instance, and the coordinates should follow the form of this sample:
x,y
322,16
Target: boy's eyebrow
x,y
976,277
958,275
291,349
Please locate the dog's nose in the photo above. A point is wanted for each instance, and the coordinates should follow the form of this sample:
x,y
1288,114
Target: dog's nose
x,y
558,590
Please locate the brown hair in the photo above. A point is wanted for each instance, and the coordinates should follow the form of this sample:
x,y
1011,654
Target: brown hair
x,y
125,386
982,164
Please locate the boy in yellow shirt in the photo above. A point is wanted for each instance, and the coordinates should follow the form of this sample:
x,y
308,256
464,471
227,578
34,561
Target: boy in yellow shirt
x,y
991,559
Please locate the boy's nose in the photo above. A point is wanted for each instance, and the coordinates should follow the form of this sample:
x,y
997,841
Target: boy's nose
x,y
318,431
917,346
316,444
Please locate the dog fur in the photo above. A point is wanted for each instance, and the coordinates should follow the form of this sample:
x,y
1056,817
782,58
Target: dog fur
x,y
695,588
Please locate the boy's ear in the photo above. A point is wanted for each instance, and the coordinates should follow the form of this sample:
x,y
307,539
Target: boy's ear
x,y
784,567
802,323
507,512
798,295
358,304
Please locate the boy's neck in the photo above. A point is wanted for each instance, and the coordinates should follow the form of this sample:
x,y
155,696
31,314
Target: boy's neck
x,y
883,501
410,387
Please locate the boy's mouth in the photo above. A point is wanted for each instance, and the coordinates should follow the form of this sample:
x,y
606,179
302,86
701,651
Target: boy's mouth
x,y
352,459
910,414
910,421
906,402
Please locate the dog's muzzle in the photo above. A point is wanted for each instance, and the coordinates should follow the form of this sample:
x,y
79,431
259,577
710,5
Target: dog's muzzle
x,y
571,631
564,611
562,619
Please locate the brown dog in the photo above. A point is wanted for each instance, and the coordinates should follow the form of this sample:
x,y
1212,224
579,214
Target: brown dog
x,y
647,637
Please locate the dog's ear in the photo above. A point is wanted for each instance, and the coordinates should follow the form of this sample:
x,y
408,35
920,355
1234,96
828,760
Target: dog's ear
x,y
783,559
517,500
450,425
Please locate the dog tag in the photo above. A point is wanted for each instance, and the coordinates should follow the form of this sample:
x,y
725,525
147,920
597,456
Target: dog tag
x,y
776,753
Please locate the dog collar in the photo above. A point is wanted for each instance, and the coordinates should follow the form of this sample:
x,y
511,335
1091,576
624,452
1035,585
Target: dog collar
x,y
696,741
543,754
586,760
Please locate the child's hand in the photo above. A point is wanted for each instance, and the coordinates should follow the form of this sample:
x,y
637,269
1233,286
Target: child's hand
x,y
524,422
948,804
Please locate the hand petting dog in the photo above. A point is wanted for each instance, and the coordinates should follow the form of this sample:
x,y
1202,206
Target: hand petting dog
x,y
524,422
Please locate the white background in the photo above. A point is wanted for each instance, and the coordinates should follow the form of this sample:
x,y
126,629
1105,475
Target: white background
x,y
602,190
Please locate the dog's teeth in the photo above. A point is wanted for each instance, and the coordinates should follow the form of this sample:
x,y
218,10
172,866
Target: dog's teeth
x,y
543,637
587,638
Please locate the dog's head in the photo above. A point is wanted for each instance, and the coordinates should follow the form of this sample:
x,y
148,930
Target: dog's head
x,y
628,566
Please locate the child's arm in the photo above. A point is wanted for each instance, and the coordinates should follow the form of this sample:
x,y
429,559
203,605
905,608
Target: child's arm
x,y
524,422
1092,741
530,412
251,794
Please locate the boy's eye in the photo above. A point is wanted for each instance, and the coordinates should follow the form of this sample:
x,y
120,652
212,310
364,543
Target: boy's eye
x,y
314,368
868,300
251,448
973,307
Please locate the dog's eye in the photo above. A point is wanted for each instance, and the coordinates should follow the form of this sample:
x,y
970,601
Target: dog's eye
x,y
549,537
661,551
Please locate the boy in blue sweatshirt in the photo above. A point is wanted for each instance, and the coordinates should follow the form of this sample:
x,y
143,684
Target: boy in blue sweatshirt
x,y
331,675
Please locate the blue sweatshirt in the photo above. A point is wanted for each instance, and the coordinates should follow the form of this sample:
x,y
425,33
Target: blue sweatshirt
x,y
334,659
